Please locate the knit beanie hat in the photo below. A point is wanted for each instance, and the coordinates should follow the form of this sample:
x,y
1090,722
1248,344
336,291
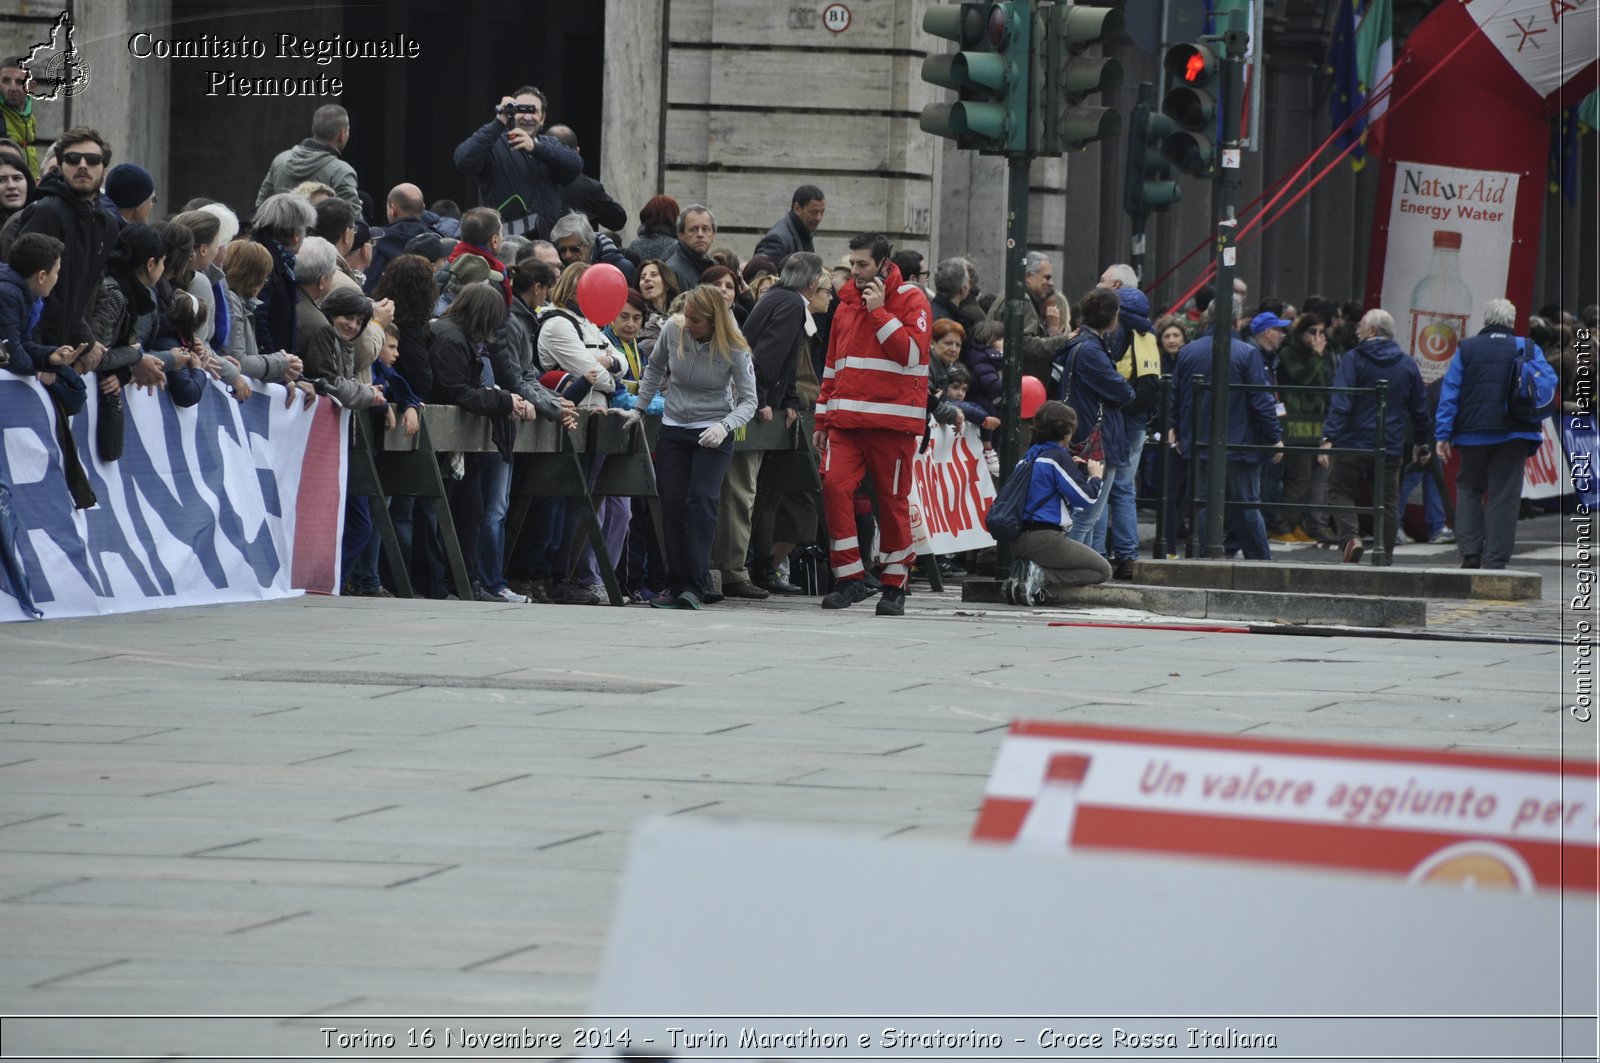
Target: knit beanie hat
x,y
129,185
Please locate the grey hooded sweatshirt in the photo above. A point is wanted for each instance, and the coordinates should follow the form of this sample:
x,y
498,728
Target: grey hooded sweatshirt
x,y
310,160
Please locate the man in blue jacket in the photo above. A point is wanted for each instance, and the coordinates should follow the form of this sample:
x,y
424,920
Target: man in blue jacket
x,y
1494,445
1252,419
520,172
1352,424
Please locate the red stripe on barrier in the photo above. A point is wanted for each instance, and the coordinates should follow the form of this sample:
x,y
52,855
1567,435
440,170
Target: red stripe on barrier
x,y
317,507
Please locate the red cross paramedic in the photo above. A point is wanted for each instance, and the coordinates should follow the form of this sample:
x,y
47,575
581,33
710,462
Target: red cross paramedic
x,y
871,414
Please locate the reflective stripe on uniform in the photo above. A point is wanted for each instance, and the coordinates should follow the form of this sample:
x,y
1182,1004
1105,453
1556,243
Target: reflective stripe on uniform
x,y
892,409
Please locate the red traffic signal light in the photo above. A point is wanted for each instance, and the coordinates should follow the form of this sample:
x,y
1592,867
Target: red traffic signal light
x,y
1195,69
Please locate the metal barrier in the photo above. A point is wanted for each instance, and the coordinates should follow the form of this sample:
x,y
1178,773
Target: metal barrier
x,y
550,462
1379,454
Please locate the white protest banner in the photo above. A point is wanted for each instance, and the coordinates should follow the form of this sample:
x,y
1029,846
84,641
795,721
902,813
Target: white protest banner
x,y
1547,474
1449,249
1493,820
951,492
219,502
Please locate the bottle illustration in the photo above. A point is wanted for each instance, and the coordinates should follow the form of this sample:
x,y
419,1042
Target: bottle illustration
x,y
1440,305
1050,821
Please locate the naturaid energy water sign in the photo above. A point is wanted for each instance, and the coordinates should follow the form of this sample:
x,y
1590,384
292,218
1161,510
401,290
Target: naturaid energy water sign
x,y
1450,233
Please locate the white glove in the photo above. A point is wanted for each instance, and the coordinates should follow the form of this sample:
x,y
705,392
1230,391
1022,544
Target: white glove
x,y
629,417
713,436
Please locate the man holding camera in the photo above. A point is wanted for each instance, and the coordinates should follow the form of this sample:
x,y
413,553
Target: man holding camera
x,y
520,172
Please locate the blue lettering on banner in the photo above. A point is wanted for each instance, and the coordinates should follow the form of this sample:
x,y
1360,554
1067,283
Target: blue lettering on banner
x,y
181,486
257,417
45,504
217,417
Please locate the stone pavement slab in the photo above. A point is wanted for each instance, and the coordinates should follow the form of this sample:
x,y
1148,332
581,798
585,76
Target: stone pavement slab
x,y
176,838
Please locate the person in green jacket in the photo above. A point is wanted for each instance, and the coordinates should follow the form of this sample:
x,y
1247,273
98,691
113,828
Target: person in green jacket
x,y
1306,360
21,124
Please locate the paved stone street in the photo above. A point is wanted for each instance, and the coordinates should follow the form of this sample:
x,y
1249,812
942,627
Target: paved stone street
x,y
374,807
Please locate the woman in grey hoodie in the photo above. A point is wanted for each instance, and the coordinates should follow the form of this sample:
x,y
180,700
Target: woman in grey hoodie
x,y
703,365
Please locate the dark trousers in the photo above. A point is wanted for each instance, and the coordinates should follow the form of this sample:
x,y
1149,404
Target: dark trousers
x,y
689,481
357,530
645,568
1305,494
1489,500
1348,475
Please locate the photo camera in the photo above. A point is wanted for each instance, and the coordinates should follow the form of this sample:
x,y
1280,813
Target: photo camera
x,y
509,109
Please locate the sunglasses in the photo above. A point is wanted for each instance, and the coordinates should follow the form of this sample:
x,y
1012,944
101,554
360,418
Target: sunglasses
x,y
72,158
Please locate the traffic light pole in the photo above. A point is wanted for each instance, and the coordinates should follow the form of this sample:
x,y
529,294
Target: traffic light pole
x,y
1226,203
1017,170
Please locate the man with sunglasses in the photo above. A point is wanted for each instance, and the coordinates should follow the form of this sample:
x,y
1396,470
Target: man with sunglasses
x,y
68,209
520,170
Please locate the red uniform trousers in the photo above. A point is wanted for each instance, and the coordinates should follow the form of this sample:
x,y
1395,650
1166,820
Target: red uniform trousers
x,y
886,456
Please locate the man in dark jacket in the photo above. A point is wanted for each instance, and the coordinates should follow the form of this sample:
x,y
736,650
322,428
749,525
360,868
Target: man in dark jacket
x,y
1046,319
1494,446
1091,385
1252,419
951,285
408,219
775,330
520,172
69,211
1352,424
696,229
586,195
793,231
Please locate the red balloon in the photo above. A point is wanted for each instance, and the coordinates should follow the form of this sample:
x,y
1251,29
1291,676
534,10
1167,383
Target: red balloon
x,y
602,293
1032,393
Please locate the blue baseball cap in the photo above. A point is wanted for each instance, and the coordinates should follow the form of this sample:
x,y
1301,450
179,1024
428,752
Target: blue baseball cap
x,y
1262,322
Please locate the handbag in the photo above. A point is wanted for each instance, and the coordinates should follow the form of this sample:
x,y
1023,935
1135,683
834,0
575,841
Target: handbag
x,y
1091,447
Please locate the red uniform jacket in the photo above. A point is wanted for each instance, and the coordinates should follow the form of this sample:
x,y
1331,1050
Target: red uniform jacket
x,y
876,375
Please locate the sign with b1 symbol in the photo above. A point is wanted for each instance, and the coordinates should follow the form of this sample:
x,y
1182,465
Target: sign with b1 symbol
x,y
836,18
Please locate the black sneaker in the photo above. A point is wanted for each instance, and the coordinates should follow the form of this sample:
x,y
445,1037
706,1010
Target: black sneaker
x,y
893,602
847,593
1472,561
565,592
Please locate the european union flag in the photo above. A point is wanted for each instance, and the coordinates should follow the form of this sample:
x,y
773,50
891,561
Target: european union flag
x,y
1347,96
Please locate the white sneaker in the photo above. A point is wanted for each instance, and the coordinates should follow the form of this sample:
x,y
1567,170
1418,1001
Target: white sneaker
x,y
993,461
510,596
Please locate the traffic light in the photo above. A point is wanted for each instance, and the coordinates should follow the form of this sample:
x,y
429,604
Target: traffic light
x,y
1191,102
1149,175
1070,76
989,74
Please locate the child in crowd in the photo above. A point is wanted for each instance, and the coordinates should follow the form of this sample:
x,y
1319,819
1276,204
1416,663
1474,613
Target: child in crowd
x,y
27,276
191,362
986,358
395,389
956,389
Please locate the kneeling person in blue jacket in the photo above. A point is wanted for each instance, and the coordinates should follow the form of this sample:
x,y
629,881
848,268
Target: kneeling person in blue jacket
x,y
1057,486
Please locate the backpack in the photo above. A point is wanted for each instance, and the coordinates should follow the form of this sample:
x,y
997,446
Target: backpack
x,y
1010,506
1140,365
1531,389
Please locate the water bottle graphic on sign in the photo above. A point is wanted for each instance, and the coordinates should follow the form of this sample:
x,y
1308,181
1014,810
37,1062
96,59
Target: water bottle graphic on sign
x,y
1440,305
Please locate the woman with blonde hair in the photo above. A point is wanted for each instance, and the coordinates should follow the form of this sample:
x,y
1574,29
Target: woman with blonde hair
x,y
700,361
